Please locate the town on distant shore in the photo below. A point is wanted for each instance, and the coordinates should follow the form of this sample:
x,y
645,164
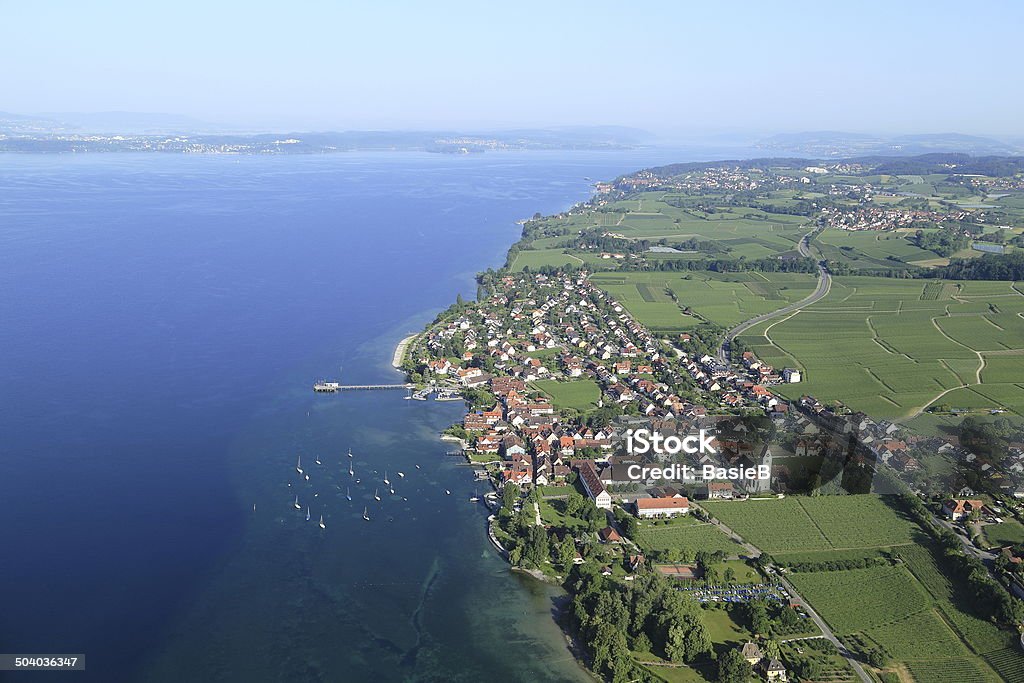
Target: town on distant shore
x,y
855,329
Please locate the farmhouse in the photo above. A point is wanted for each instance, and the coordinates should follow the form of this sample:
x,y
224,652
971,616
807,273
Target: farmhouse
x,y
662,507
791,375
719,490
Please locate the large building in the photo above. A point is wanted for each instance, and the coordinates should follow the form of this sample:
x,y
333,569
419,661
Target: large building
x,y
595,489
662,507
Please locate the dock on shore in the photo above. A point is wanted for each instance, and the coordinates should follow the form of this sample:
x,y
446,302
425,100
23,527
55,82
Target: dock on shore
x,y
396,360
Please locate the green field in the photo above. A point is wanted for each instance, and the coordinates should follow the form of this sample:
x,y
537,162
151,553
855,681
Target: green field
x,y
722,298
579,394
801,524
893,347
685,534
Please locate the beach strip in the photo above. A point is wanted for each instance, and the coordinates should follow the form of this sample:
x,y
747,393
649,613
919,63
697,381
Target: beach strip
x,y
396,360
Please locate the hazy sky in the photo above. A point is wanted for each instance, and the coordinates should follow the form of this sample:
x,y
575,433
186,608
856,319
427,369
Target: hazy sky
x,y
728,66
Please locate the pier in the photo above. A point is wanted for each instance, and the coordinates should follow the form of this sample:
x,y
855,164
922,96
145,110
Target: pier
x,y
335,387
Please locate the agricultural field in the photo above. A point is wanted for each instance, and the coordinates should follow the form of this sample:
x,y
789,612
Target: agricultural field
x,y
893,347
721,298
913,611
802,524
580,394
859,599
872,248
686,535
535,258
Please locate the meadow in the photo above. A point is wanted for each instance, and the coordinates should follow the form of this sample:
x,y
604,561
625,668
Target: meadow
x,y
685,534
580,394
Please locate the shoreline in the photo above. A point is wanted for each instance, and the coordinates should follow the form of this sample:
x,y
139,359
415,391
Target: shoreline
x,y
399,356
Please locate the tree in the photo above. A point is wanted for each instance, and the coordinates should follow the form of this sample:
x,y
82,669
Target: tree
x,y
566,552
733,668
509,496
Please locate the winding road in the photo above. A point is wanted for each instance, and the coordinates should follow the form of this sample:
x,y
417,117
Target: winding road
x,y
824,285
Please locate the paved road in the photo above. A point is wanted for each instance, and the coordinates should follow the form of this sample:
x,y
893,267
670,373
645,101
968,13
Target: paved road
x,y
798,599
824,284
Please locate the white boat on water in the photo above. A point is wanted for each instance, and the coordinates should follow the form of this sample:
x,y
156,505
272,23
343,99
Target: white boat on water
x,y
376,494
447,492
350,452
322,525
317,461
307,513
348,493
298,465
386,482
401,475
366,516
297,506
392,490
350,472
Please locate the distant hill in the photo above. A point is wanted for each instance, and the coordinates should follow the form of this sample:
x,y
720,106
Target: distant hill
x,y
835,144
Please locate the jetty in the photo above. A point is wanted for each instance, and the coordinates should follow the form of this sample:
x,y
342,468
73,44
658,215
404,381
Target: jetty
x,y
335,387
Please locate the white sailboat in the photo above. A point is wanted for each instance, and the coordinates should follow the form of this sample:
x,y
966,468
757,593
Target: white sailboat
x,y
392,490
350,452
322,525
297,506
307,513
298,465
447,492
401,475
376,494
348,493
350,472
317,461
386,482
366,516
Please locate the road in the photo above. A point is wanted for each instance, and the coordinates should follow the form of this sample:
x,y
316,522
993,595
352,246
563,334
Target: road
x,y
797,599
824,284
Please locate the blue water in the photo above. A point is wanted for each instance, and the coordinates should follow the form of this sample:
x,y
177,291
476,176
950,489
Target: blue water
x,y
161,320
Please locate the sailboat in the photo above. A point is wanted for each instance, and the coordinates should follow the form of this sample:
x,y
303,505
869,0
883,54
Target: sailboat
x,y
297,506
366,516
376,494
350,452
447,492
386,482
322,525
475,497
417,466
402,475
348,493
317,461
392,490
350,472
307,513
298,466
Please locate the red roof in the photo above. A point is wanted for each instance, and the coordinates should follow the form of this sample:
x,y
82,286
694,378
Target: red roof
x,y
662,503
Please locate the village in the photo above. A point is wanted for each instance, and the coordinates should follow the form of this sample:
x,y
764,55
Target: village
x,y
520,356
